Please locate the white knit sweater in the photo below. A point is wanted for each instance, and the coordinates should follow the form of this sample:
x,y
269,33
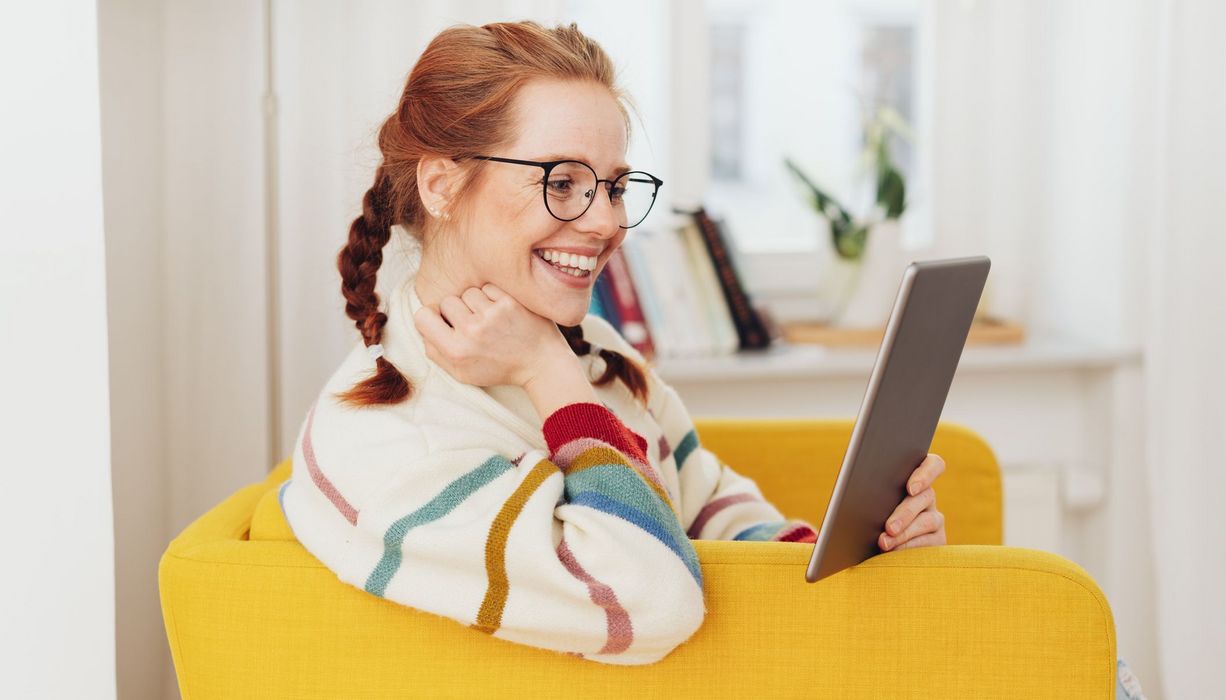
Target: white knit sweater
x,y
570,534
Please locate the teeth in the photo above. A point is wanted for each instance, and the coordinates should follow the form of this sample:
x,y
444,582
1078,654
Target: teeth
x,y
569,260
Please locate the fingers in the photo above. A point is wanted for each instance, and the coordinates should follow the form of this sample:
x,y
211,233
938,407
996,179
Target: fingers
x,y
454,310
433,328
906,511
476,300
926,473
931,539
493,291
931,521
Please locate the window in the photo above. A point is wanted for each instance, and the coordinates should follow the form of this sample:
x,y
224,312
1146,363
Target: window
x,y
728,88
796,80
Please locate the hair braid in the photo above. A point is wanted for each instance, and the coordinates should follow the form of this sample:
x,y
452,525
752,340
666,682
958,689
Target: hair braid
x,y
617,365
359,263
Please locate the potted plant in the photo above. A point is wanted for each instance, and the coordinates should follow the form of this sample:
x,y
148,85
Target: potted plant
x,y
850,234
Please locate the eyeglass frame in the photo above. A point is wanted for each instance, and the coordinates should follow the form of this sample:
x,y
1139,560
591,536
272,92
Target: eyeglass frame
x,y
551,164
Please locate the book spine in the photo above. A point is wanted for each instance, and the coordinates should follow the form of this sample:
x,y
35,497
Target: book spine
x,y
682,300
638,251
714,307
595,307
602,288
634,326
749,326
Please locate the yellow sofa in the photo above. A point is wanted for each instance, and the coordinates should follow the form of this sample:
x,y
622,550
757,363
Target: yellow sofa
x,y
249,613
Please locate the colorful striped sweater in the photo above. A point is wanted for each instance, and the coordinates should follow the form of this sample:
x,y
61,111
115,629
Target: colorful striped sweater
x,y
570,534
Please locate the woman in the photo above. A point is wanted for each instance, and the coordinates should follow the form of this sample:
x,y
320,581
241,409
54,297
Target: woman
x,y
512,463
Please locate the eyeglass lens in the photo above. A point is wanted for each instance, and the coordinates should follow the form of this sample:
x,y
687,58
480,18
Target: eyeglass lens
x,y
571,189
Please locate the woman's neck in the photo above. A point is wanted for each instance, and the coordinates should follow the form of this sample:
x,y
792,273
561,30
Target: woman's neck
x,y
434,281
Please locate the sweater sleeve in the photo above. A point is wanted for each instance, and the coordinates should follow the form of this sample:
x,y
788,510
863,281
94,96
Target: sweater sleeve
x,y
578,549
717,503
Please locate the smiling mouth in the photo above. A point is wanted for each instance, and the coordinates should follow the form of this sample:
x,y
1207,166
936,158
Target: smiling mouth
x,y
567,264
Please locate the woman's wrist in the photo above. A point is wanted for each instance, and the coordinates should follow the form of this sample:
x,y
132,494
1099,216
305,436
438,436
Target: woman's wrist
x,y
562,382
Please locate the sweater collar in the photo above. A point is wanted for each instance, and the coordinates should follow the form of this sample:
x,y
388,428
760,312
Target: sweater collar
x,y
411,348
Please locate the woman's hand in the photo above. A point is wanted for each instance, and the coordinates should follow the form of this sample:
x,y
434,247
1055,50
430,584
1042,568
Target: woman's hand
x,y
492,339
916,522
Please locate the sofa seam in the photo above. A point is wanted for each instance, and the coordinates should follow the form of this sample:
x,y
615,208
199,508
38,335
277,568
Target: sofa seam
x,y
197,560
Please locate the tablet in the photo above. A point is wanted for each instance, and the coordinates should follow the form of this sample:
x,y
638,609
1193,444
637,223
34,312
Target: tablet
x,y
906,392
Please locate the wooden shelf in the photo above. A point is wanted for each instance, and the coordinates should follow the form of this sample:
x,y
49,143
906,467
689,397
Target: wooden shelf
x,y
986,331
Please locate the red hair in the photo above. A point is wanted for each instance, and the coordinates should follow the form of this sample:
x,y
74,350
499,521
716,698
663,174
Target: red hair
x,y
458,101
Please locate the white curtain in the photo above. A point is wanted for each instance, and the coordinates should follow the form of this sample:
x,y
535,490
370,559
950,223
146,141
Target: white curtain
x,y
1185,351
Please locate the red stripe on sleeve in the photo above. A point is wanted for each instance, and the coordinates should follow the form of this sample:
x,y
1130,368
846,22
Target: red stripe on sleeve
x,y
593,420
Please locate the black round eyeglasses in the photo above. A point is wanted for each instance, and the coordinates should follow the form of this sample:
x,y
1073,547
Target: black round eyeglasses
x,y
569,188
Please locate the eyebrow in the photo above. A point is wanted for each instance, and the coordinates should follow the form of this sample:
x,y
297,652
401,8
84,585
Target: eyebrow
x,y
619,169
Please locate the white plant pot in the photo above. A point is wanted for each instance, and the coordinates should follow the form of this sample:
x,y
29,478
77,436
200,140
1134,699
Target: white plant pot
x,y
837,282
871,297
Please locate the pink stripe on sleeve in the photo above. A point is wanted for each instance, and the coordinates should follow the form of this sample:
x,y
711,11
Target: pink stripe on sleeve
x,y
321,481
621,631
709,510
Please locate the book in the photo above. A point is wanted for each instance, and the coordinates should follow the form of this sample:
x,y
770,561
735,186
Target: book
x,y
637,259
621,287
594,306
751,329
607,306
714,308
675,291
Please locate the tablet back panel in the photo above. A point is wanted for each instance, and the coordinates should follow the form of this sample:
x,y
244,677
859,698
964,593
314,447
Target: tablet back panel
x,y
902,405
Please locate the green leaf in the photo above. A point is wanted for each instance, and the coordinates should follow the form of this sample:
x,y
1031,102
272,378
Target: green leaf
x,y
891,192
849,239
825,205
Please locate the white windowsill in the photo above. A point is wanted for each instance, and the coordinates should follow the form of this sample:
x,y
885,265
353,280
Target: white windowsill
x,y
800,361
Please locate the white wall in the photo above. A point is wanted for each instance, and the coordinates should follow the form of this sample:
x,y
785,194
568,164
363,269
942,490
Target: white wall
x,y
58,609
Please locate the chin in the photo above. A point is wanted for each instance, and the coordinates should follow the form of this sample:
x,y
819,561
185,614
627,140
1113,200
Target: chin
x,y
571,319
566,317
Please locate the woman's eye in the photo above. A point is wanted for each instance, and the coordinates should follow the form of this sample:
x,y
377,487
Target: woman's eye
x,y
560,186
616,193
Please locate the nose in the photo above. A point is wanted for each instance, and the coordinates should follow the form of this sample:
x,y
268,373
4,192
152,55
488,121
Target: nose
x,y
600,218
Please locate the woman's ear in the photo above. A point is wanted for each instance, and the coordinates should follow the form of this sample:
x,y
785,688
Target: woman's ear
x,y
437,178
